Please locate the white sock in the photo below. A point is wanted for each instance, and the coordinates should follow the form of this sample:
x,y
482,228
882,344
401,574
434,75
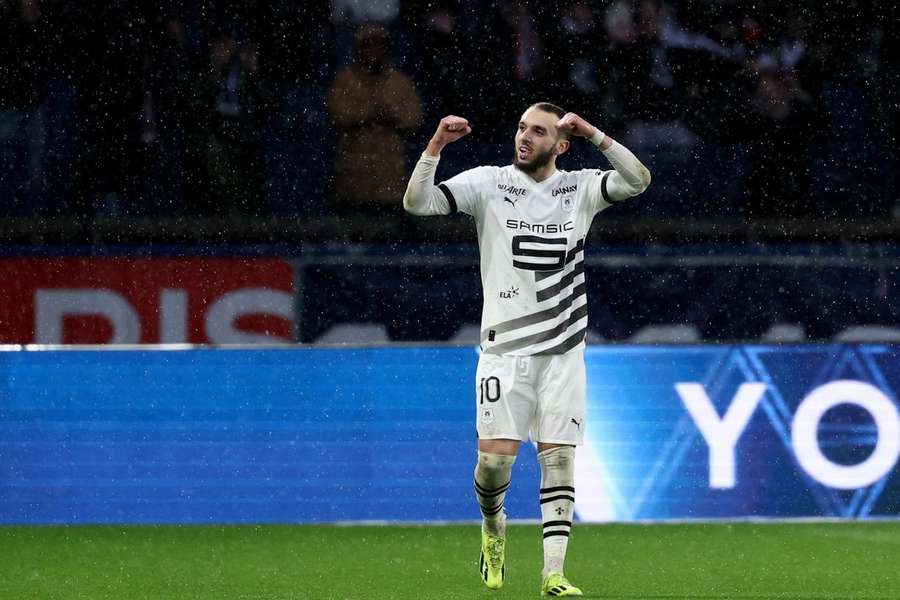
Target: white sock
x,y
492,476
557,503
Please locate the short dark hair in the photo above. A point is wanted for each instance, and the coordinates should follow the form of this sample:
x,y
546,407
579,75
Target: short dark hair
x,y
550,108
554,109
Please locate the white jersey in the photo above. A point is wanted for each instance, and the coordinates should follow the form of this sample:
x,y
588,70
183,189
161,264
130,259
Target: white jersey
x,y
531,237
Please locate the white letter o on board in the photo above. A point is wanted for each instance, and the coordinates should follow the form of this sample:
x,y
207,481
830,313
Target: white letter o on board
x,y
805,434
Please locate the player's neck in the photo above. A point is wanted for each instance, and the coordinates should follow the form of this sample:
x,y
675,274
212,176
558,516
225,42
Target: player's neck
x,y
542,174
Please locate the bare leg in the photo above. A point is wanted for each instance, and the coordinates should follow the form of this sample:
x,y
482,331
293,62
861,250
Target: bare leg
x,y
507,447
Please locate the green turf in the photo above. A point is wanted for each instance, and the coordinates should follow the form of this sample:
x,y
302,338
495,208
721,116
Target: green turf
x,y
659,562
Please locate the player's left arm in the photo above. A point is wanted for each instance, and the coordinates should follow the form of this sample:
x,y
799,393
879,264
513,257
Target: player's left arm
x,y
630,176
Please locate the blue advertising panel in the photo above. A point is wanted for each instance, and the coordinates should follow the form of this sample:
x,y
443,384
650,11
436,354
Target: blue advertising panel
x,y
741,431
301,435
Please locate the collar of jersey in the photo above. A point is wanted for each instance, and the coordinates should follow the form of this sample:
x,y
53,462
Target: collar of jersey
x,y
534,183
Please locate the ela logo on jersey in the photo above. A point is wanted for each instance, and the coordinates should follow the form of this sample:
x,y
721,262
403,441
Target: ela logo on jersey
x,y
512,292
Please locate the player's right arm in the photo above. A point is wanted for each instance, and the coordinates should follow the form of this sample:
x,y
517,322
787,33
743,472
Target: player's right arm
x,y
422,197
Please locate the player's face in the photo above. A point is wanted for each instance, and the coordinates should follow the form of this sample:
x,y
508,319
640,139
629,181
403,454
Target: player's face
x,y
537,140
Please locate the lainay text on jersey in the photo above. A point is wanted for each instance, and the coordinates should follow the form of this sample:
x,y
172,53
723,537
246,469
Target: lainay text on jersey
x,y
566,189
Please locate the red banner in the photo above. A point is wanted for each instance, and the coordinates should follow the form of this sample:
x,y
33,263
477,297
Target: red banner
x,y
151,300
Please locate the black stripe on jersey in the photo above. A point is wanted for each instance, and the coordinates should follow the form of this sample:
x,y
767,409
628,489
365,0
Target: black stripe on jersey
x,y
603,187
566,345
542,275
538,317
543,336
450,198
557,288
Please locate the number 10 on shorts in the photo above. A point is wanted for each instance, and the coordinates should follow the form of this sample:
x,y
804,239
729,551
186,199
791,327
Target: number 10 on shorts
x,y
488,389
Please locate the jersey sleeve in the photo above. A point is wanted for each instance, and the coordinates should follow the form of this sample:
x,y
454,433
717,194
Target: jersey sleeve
x,y
595,184
467,191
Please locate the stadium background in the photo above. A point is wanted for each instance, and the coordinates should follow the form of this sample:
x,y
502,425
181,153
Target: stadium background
x,y
184,174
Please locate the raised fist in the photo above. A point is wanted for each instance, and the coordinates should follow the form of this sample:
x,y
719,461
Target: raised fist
x,y
575,125
450,129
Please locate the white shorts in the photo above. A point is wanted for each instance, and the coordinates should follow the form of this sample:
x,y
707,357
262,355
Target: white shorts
x,y
540,396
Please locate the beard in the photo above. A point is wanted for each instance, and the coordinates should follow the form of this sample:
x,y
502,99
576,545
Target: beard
x,y
538,161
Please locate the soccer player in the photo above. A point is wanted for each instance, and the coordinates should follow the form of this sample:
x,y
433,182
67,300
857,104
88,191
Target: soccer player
x,y
532,219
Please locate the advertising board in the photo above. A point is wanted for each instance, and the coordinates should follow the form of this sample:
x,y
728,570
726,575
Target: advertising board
x,y
301,435
126,300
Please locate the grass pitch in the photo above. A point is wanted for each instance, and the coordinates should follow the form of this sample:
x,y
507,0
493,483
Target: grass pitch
x,y
804,561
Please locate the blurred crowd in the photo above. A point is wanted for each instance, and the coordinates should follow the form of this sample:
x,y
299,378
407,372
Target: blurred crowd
x,y
292,108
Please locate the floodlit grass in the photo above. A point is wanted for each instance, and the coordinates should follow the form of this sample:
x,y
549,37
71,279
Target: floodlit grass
x,y
804,561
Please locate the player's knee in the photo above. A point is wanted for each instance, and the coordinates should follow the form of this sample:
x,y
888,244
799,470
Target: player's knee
x,y
561,457
491,462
